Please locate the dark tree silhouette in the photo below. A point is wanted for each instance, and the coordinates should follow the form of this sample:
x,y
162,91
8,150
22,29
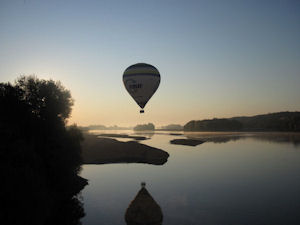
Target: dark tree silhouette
x,y
48,99
280,121
214,125
141,127
39,156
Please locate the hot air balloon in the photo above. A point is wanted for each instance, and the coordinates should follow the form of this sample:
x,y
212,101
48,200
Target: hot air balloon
x,y
141,80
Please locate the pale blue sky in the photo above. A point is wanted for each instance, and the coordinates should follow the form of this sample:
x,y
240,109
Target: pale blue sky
x,y
216,58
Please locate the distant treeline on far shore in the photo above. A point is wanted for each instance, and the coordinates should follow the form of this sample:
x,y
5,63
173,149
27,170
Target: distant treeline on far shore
x,y
102,127
280,121
138,127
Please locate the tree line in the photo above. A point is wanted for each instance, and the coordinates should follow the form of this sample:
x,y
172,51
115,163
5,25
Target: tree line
x,y
280,121
141,127
40,157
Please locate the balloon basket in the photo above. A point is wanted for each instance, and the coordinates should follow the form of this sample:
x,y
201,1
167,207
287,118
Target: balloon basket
x,y
142,111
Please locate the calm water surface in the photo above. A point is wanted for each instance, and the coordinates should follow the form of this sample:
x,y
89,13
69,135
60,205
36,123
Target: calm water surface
x,y
248,180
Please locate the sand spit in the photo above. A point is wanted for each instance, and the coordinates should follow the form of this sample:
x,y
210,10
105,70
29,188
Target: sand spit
x,y
137,138
189,142
97,150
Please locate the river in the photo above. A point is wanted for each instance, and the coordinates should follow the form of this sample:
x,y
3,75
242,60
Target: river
x,y
239,179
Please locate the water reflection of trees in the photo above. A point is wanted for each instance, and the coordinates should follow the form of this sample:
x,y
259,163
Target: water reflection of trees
x,y
143,210
149,134
293,138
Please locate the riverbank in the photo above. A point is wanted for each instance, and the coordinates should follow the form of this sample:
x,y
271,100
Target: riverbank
x,y
97,150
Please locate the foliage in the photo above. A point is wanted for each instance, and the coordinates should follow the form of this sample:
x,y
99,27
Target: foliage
x,y
172,127
47,99
213,125
141,127
281,121
40,158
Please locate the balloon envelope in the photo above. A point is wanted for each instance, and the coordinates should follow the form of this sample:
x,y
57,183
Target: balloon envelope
x,y
141,80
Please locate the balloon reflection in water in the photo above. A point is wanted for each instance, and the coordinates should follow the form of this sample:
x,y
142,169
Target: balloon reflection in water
x,y
143,210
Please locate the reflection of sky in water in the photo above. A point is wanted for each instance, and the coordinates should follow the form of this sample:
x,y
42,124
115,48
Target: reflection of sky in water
x,y
246,181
